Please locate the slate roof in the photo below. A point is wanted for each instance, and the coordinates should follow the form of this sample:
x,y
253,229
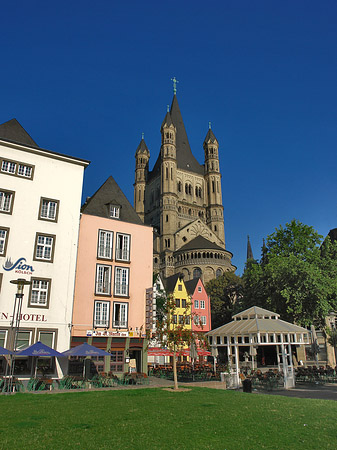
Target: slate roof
x,y
13,131
210,137
191,285
200,243
185,159
142,147
110,193
170,282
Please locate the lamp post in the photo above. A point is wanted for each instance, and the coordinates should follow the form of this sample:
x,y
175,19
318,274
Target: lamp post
x,y
15,325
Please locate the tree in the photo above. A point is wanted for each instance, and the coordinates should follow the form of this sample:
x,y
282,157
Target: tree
x,y
225,293
297,277
332,339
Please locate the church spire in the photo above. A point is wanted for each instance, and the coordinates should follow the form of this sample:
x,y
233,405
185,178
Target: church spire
x,y
249,250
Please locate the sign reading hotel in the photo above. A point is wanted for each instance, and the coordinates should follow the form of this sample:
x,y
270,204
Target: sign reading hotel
x,y
24,317
18,267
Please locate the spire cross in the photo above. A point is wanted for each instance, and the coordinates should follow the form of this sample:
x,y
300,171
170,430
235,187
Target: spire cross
x,y
142,136
175,81
210,125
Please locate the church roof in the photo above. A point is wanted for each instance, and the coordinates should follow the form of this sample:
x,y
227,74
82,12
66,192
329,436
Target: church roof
x,y
142,147
200,243
210,137
185,159
111,194
167,120
13,131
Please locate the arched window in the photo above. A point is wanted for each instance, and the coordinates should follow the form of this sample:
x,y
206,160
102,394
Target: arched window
x,y
218,273
179,186
186,188
197,272
167,174
190,189
199,190
196,192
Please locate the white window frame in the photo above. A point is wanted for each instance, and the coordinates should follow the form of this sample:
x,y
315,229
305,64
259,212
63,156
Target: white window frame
x,y
4,232
196,304
8,166
123,247
39,292
202,304
6,201
44,247
114,211
196,320
121,285
6,336
26,171
122,320
104,245
29,340
48,332
203,320
101,314
49,209
103,279
199,289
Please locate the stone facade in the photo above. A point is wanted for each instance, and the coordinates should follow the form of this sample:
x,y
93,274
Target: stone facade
x,y
182,200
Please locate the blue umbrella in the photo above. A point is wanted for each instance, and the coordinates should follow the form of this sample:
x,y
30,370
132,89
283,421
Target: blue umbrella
x,y
85,350
4,351
38,349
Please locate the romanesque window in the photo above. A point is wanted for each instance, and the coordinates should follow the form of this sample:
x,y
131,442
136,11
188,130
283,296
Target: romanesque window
x,y
179,186
197,272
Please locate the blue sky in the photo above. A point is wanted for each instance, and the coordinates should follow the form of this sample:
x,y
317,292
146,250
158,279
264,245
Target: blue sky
x,y
87,78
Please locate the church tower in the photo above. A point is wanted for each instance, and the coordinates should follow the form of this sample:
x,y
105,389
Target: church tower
x,y
214,213
142,168
182,200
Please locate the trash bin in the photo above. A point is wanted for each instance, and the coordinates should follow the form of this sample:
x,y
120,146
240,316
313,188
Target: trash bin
x,y
247,385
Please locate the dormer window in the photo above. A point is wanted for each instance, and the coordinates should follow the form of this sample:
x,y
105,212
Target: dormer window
x,y
114,211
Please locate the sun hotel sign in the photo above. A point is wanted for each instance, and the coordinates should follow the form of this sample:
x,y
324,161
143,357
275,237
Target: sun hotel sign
x,y
20,267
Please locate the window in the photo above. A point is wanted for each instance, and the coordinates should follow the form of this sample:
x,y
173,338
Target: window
x,y
103,279
39,292
120,315
99,363
114,211
17,168
47,338
123,247
44,247
187,320
180,287
3,240
199,289
197,272
117,361
196,304
218,273
23,339
202,304
196,320
121,281
178,302
3,336
105,239
48,209
101,314
6,201
183,303
175,319
181,320
203,320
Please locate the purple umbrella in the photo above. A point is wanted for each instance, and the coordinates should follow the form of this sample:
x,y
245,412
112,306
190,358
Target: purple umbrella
x,y
85,350
4,351
38,349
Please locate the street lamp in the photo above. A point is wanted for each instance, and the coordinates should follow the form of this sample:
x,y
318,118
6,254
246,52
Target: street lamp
x,y
15,325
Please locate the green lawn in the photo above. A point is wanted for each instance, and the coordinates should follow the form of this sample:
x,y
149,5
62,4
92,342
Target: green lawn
x,y
156,419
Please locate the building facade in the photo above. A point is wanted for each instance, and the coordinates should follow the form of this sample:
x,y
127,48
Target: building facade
x,y
114,269
182,200
200,305
39,224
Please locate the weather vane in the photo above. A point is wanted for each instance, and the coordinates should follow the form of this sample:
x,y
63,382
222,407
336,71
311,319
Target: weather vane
x,y
175,81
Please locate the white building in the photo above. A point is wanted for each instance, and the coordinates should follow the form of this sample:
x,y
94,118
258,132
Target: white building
x,y
40,199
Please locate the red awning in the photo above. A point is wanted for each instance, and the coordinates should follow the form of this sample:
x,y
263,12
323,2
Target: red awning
x,y
157,351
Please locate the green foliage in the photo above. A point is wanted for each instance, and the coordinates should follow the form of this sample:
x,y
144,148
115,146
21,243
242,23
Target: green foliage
x,y
296,277
225,293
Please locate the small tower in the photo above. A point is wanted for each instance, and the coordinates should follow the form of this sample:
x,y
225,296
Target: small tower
x,y
214,213
142,168
168,191
249,250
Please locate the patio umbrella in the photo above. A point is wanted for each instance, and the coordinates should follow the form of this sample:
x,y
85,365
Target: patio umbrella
x,y
38,350
4,351
85,350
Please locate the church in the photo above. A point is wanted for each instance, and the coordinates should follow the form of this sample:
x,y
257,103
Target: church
x,y
182,200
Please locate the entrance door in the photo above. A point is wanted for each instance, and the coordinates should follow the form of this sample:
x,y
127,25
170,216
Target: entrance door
x,y
137,355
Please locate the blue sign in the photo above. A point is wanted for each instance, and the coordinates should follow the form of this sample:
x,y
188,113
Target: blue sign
x,y
18,266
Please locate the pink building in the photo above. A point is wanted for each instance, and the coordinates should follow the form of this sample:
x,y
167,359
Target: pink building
x,y
201,305
114,269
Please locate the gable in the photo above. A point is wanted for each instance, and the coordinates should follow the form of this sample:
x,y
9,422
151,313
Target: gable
x,y
193,230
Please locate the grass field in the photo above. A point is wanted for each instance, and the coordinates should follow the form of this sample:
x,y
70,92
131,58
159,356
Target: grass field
x,y
157,419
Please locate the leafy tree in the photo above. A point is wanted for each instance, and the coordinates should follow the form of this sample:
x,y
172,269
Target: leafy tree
x,y
332,339
225,293
296,277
